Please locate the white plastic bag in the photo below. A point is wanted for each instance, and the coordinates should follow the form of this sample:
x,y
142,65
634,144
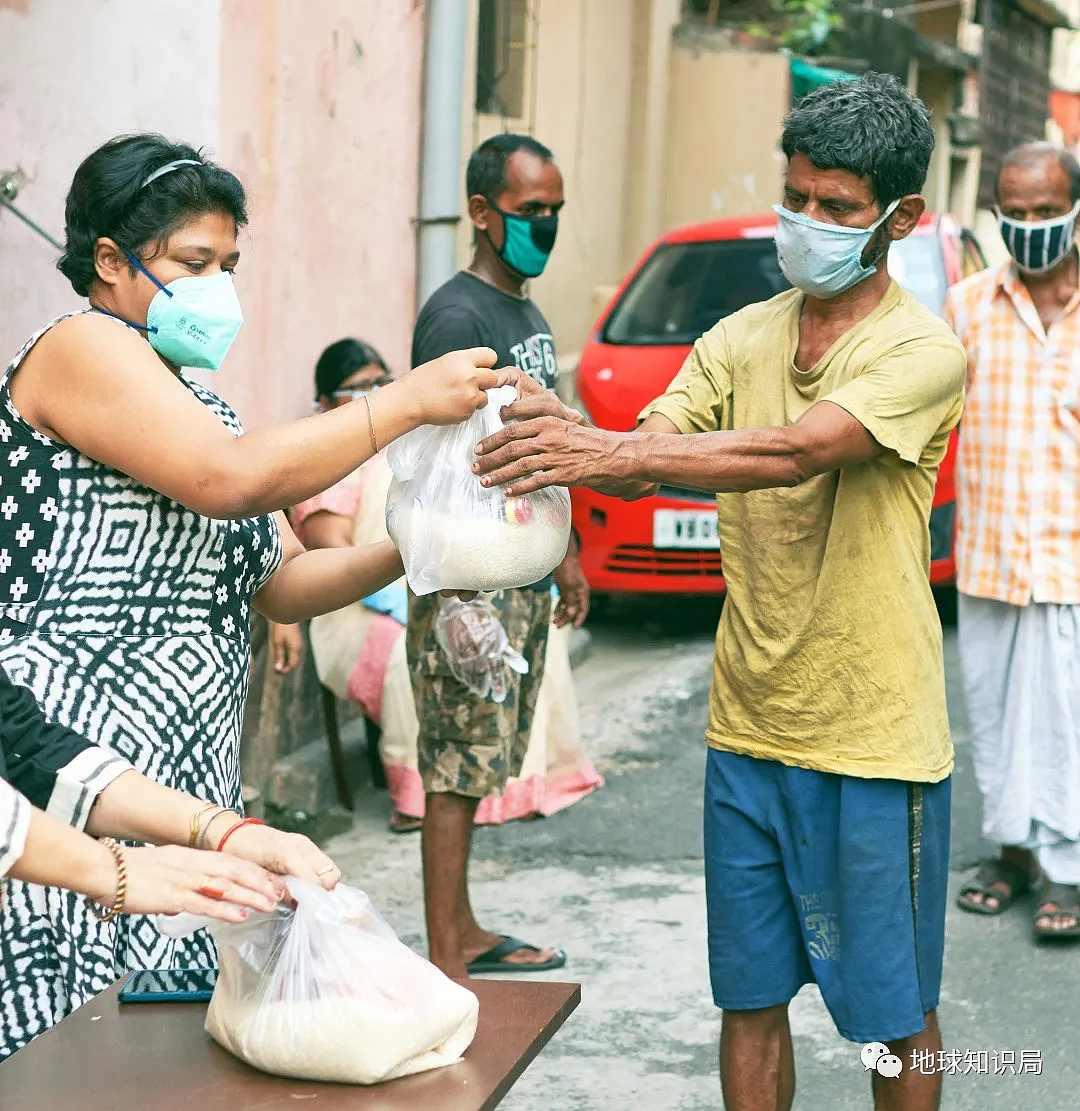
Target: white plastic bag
x,y
327,992
455,534
477,647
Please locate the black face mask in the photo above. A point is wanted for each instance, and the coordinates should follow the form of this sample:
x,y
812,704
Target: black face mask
x,y
527,241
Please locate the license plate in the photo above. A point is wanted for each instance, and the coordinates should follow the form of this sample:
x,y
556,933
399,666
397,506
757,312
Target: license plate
x,y
685,528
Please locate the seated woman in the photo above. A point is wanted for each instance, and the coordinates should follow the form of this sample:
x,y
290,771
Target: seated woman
x,y
54,783
359,650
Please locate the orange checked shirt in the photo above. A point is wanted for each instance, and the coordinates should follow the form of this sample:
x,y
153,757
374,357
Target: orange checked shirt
x,y
1018,470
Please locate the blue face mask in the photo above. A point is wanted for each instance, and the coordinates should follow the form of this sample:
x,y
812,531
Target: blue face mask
x,y
527,241
1040,245
823,260
192,321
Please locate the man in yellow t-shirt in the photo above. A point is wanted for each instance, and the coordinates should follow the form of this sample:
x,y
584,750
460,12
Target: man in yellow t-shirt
x,y
819,418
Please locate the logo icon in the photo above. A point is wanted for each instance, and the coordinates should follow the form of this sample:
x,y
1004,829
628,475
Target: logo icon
x,y
877,1058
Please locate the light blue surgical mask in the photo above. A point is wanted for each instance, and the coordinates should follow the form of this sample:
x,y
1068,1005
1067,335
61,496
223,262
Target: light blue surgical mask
x,y
823,260
192,321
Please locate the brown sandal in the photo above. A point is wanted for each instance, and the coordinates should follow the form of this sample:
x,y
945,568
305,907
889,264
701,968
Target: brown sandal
x,y
1058,900
991,876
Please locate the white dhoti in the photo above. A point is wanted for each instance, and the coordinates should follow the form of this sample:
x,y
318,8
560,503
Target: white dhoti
x,y
1021,676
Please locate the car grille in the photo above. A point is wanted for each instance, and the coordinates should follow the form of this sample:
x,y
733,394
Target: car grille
x,y
642,559
677,493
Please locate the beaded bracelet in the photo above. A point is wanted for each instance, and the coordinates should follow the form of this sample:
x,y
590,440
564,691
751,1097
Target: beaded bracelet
x,y
233,829
121,885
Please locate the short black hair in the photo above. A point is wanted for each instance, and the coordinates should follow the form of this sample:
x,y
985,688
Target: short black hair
x,y
485,175
870,126
341,360
110,198
1028,155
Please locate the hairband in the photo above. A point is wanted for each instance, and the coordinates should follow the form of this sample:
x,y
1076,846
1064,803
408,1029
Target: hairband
x,y
168,168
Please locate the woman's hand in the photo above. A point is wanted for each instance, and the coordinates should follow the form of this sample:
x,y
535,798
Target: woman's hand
x,y
286,647
573,605
171,879
451,388
287,854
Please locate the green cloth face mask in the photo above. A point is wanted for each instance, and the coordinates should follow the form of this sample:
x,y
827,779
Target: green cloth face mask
x,y
527,241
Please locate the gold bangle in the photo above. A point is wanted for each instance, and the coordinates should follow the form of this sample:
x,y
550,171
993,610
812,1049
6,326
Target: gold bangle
x,y
196,819
371,426
121,885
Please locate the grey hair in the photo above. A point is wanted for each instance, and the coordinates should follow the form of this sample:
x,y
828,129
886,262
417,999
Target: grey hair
x,y
871,126
1029,155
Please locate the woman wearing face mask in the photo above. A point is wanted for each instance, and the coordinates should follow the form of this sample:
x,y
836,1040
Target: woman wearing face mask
x,y
139,523
360,650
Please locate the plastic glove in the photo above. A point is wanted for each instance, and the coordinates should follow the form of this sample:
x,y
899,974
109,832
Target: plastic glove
x,y
477,647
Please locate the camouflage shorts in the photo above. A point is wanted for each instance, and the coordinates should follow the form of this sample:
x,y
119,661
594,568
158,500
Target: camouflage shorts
x,y
468,745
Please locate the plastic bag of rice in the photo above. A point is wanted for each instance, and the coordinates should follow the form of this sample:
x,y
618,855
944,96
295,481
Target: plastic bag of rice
x,y
455,534
325,991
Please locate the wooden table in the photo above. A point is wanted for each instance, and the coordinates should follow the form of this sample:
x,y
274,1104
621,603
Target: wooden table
x,y
157,1057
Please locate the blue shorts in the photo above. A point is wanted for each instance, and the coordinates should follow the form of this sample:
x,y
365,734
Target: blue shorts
x,y
826,879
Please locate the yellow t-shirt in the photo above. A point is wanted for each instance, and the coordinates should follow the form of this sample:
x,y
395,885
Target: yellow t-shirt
x,y
828,654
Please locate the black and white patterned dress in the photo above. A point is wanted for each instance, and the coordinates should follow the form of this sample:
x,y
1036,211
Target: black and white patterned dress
x,y
127,616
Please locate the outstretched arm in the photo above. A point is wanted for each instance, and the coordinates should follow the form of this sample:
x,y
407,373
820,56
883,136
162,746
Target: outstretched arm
x,y
546,451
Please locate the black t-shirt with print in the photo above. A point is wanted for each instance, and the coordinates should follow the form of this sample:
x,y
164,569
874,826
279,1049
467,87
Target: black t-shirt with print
x,y
468,312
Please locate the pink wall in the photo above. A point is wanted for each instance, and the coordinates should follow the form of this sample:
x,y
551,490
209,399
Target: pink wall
x,y
74,75
320,117
315,105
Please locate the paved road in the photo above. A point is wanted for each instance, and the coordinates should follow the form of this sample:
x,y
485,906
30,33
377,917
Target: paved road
x,y
616,880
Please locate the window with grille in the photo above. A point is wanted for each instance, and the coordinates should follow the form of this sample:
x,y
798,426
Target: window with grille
x,y
501,45
1016,86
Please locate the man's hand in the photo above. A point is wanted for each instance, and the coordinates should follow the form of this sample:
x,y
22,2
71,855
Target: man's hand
x,y
573,605
535,401
546,451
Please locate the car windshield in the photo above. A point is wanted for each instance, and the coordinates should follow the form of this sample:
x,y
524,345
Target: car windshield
x,y
685,288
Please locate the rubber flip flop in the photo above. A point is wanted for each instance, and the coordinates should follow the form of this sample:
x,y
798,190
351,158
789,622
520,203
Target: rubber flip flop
x,y
494,960
1002,872
1058,900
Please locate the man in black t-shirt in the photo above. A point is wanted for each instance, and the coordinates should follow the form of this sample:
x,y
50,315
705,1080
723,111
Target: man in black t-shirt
x,y
468,747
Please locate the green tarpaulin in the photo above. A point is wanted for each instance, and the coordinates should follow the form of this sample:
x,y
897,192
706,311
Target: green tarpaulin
x,y
806,77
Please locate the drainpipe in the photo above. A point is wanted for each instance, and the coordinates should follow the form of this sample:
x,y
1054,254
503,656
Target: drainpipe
x,y
440,153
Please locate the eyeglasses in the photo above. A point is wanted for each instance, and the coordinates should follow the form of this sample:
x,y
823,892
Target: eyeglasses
x,y
355,393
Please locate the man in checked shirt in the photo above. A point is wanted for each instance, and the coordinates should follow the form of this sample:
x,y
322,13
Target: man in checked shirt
x,y
1018,541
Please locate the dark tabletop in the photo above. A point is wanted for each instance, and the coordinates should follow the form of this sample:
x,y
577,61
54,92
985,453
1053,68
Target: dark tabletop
x,y
157,1057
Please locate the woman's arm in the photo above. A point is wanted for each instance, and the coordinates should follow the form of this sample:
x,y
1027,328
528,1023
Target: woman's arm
x,y
98,386
82,783
135,808
159,881
310,583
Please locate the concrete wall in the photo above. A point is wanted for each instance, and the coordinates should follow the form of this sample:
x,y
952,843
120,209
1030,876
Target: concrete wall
x,y
315,106
74,75
578,82
723,131
320,116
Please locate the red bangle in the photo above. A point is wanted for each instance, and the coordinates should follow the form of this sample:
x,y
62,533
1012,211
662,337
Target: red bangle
x,y
232,829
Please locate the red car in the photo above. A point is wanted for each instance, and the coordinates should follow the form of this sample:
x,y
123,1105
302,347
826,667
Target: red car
x,y
684,284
